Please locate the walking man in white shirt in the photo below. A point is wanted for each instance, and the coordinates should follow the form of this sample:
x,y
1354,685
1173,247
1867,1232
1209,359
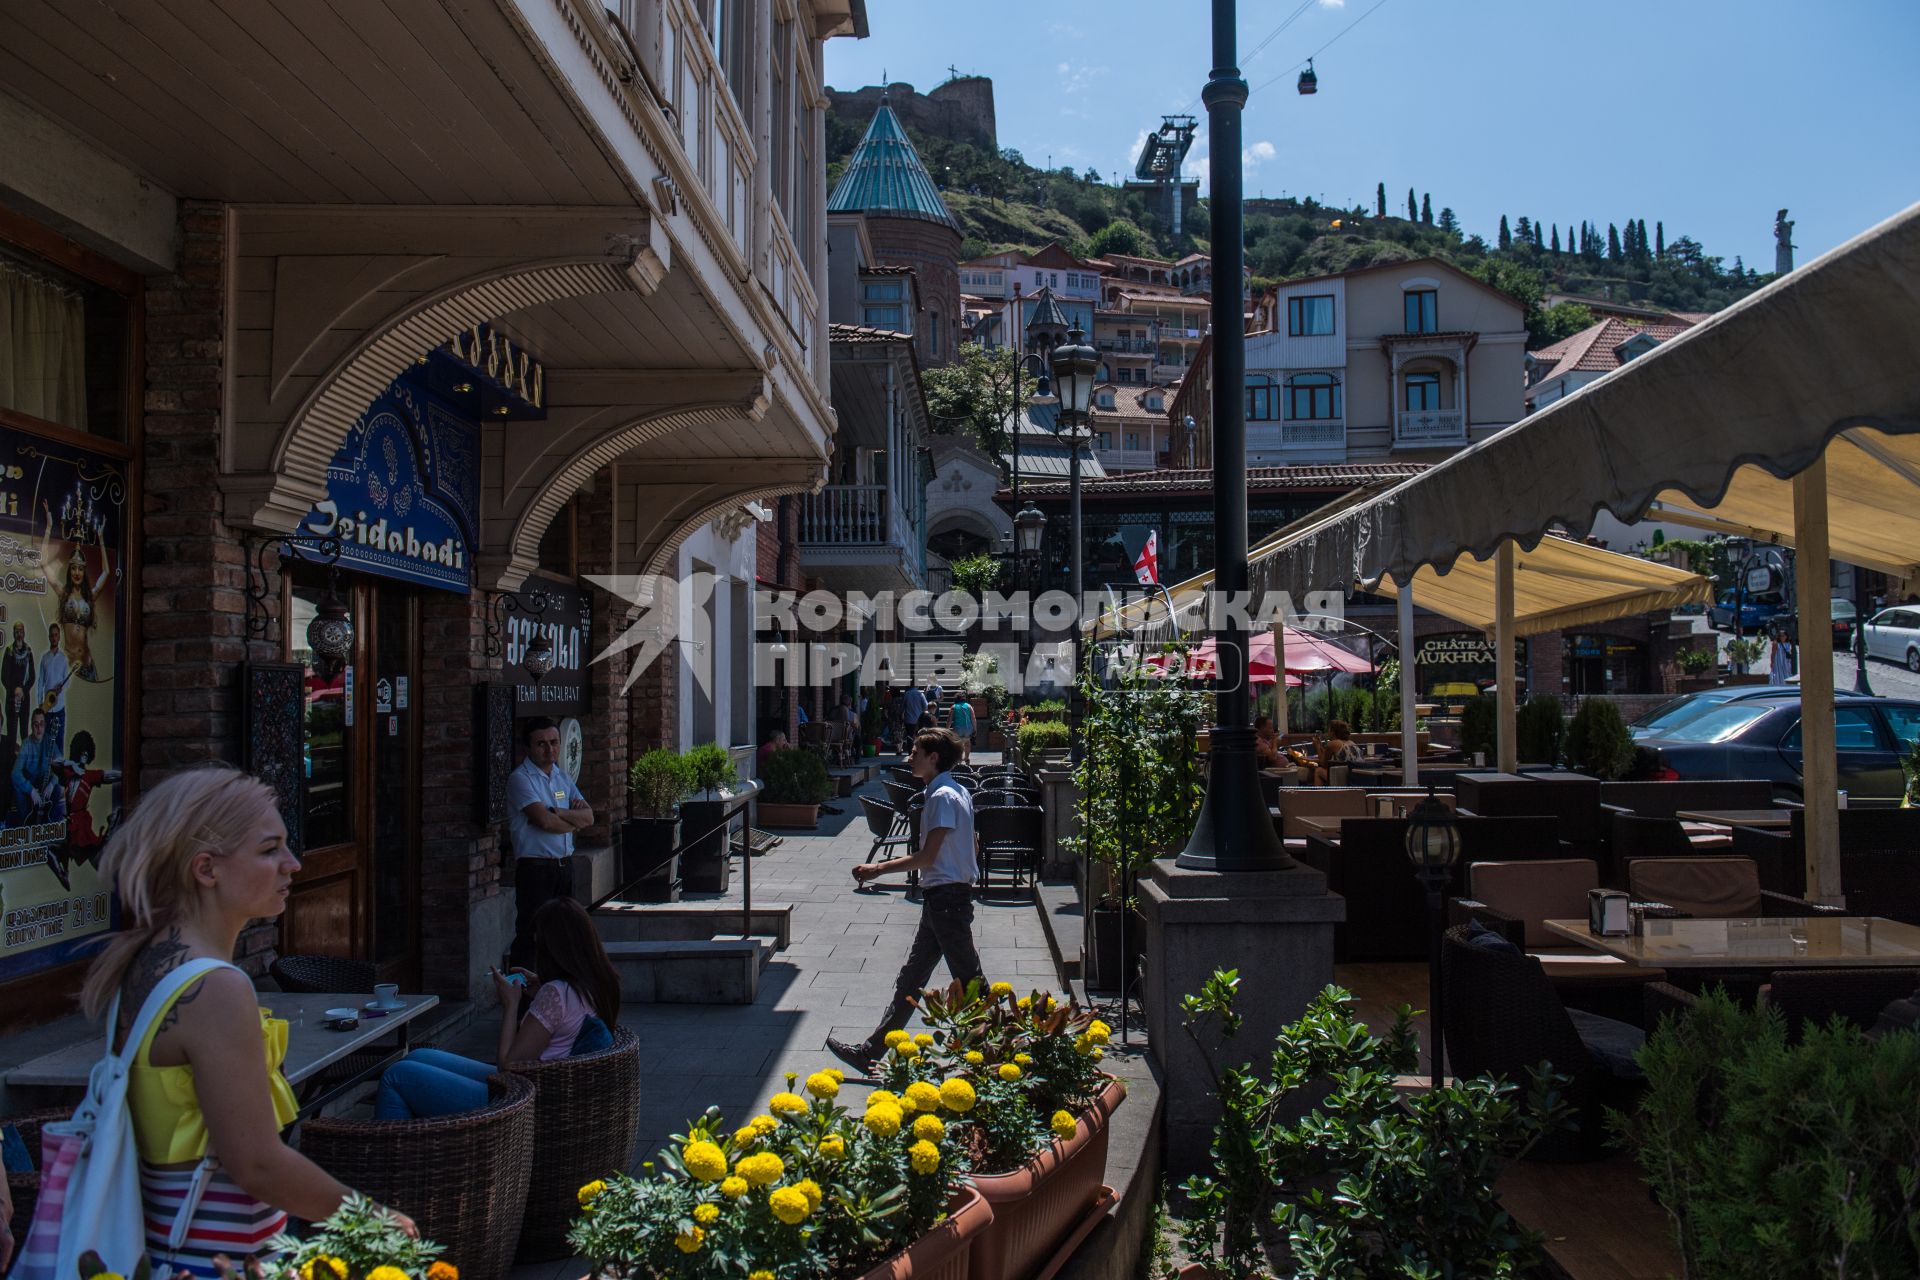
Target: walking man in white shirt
x,y
948,865
546,808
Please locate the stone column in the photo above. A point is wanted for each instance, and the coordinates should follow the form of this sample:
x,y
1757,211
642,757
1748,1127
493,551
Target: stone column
x,y
1275,927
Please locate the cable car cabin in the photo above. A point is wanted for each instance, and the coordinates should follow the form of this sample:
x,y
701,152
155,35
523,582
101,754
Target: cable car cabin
x,y
1309,82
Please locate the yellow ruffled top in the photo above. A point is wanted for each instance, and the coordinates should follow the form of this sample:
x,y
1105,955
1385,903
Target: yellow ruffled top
x,y
167,1125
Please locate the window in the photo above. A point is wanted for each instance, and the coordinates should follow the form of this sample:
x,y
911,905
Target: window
x,y
933,333
1423,310
1156,404
1313,395
1852,731
882,289
1423,392
64,348
881,317
781,83
1133,439
1904,719
728,26
1310,317
1106,400
1262,398
1103,439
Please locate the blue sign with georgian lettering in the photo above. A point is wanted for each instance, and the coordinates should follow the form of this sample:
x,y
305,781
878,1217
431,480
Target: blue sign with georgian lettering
x,y
403,492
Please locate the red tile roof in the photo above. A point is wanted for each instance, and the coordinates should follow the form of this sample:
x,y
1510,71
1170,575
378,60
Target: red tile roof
x,y
1332,478
856,334
1594,349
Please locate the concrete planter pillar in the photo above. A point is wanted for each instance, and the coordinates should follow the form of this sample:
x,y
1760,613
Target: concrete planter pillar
x,y
1060,798
1275,927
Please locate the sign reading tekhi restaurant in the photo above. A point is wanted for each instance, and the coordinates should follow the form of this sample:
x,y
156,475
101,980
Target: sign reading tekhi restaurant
x,y
403,493
564,615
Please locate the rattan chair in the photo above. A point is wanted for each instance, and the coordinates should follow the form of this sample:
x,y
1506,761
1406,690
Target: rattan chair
x,y
25,1186
586,1119
324,973
1009,838
462,1178
886,826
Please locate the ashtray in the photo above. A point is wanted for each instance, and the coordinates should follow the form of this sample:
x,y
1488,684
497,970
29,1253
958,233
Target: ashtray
x,y
342,1019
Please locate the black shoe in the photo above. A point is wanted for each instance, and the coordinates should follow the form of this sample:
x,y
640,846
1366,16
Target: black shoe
x,y
854,1055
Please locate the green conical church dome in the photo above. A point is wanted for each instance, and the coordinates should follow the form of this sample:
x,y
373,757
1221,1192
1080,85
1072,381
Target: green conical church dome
x,y
885,177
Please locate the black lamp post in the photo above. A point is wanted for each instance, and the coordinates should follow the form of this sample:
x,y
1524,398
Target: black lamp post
x,y
1075,367
1234,831
1029,535
1861,685
1433,845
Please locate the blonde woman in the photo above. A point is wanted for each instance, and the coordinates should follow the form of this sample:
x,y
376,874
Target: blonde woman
x,y
203,853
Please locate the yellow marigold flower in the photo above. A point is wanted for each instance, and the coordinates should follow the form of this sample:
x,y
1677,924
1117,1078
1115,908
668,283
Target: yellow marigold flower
x,y
790,1205
687,1241
975,1057
1024,1003
894,1038
1023,1059
1099,1054
762,1170
834,1147
924,1040
442,1270
1099,1032
923,1096
924,1156
788,1104
839,1076
760,1275
906,1049
322,1267
1063,1124
586,1195
378,1273
883,1121
763,1125
1083,1046
880,1096
1009,1072
822,1085
929,1129
703,1160
745,1136
733,1188
811,1190
957,1094
704,1214
1001,988
791,1077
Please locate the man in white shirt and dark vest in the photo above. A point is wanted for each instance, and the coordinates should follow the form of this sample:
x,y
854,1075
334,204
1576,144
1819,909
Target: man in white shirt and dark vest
x,y
546,808
948,864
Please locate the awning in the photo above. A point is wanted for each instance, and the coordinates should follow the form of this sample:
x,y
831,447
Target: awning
x,y
1764,385
1558,584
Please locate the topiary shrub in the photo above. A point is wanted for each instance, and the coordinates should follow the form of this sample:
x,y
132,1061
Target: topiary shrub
x,y
1541,728
1694,662
1042,735
1479,723
710,768
1598,742
658,781
794,775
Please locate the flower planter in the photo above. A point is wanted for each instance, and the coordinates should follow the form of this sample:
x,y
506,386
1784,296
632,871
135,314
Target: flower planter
x,y
1112,967
647,857
803,816
1037,1206
946,1252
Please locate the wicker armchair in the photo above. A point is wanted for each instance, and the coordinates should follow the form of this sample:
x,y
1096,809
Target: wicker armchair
x,y
324,973
586,1119
1855,995
1009,842
25,1187
462,1177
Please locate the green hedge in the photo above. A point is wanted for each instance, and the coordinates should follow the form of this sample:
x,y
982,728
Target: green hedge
x,y
1042,735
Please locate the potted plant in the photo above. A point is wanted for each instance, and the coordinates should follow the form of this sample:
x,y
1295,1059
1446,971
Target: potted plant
x,y
656,783
1039,738
1541,730
1696,669
807,1189
1598,742
1034,1121
797,783
704,864
361,1240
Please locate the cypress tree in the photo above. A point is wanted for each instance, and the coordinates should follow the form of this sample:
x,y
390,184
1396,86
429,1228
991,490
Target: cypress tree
x,y
1448,222
1426,208
1613,243
1506,236
1539,241
1556,238
1413,207
1640,240
1524,229
1380,200
1660,240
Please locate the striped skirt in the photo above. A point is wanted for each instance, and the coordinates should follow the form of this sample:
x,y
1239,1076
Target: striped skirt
x,y
228,1221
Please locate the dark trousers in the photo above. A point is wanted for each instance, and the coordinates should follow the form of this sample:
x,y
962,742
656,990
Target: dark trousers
x,y
536,882
946,930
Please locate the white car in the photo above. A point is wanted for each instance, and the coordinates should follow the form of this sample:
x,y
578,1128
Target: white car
x,y
1894,634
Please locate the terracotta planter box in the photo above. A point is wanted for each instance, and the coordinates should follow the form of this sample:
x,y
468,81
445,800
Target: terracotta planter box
x,y
804,816
1038,1206
946,1252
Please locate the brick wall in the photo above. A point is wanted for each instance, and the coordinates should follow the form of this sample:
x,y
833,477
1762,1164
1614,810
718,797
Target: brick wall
x,y
605,728
460,856
933,251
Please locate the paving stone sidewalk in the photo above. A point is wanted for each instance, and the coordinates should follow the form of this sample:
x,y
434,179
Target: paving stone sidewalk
x,y
834,980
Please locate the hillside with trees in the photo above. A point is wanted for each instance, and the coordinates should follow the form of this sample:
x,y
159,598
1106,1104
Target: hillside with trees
x,y
1003,202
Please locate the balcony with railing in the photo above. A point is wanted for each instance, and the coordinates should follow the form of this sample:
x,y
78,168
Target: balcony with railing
x,y
1318,435
862,535
1127,346
1430,426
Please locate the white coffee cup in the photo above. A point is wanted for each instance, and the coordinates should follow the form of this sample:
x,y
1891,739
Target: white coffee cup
x,y
1843,799
1479,759
386,994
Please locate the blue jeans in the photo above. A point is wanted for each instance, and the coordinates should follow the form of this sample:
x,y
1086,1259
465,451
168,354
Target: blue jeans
x,y
430,1083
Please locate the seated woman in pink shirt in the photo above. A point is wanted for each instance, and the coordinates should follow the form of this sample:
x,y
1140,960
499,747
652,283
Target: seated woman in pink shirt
x,y
572,1002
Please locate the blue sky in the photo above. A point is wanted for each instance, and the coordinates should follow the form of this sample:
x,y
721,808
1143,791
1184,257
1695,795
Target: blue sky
x,y
1705,114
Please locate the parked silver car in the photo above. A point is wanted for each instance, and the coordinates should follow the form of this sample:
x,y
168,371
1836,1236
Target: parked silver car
x,y
1894,634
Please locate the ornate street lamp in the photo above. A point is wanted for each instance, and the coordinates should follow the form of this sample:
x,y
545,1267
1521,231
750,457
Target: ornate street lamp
x,y
1076,367
1433,845
1029,534
330,637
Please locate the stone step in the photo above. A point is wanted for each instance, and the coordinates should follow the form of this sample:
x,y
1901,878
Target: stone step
x,y
690,921
718,970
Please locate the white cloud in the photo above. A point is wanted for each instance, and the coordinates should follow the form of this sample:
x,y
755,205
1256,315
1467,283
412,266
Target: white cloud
x,y
1333,4
1077,80
1257,154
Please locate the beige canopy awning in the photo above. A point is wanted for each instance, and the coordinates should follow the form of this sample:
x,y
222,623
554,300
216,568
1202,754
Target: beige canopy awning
x,y
1560,583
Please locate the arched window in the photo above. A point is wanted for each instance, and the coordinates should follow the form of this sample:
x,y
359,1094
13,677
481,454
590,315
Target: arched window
x,y
933,336
1423,392
1313,395
1263,398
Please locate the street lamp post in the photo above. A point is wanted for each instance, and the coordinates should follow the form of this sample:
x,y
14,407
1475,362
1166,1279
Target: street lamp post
x,y
1433,845
1029,536
1075,365
1234,831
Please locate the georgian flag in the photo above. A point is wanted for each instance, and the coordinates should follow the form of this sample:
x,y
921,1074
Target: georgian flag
x,y
1147,568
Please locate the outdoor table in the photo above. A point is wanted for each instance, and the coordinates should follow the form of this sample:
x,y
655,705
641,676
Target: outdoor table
x,y
1757,942
1326,826
311,1048
1769,819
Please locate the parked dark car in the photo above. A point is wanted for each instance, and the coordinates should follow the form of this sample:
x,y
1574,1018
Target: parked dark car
x,y
1844,617
1688,706
1760,738
1754,614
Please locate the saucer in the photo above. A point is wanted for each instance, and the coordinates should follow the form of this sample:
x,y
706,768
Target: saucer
x,y
386,1006
335,1015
